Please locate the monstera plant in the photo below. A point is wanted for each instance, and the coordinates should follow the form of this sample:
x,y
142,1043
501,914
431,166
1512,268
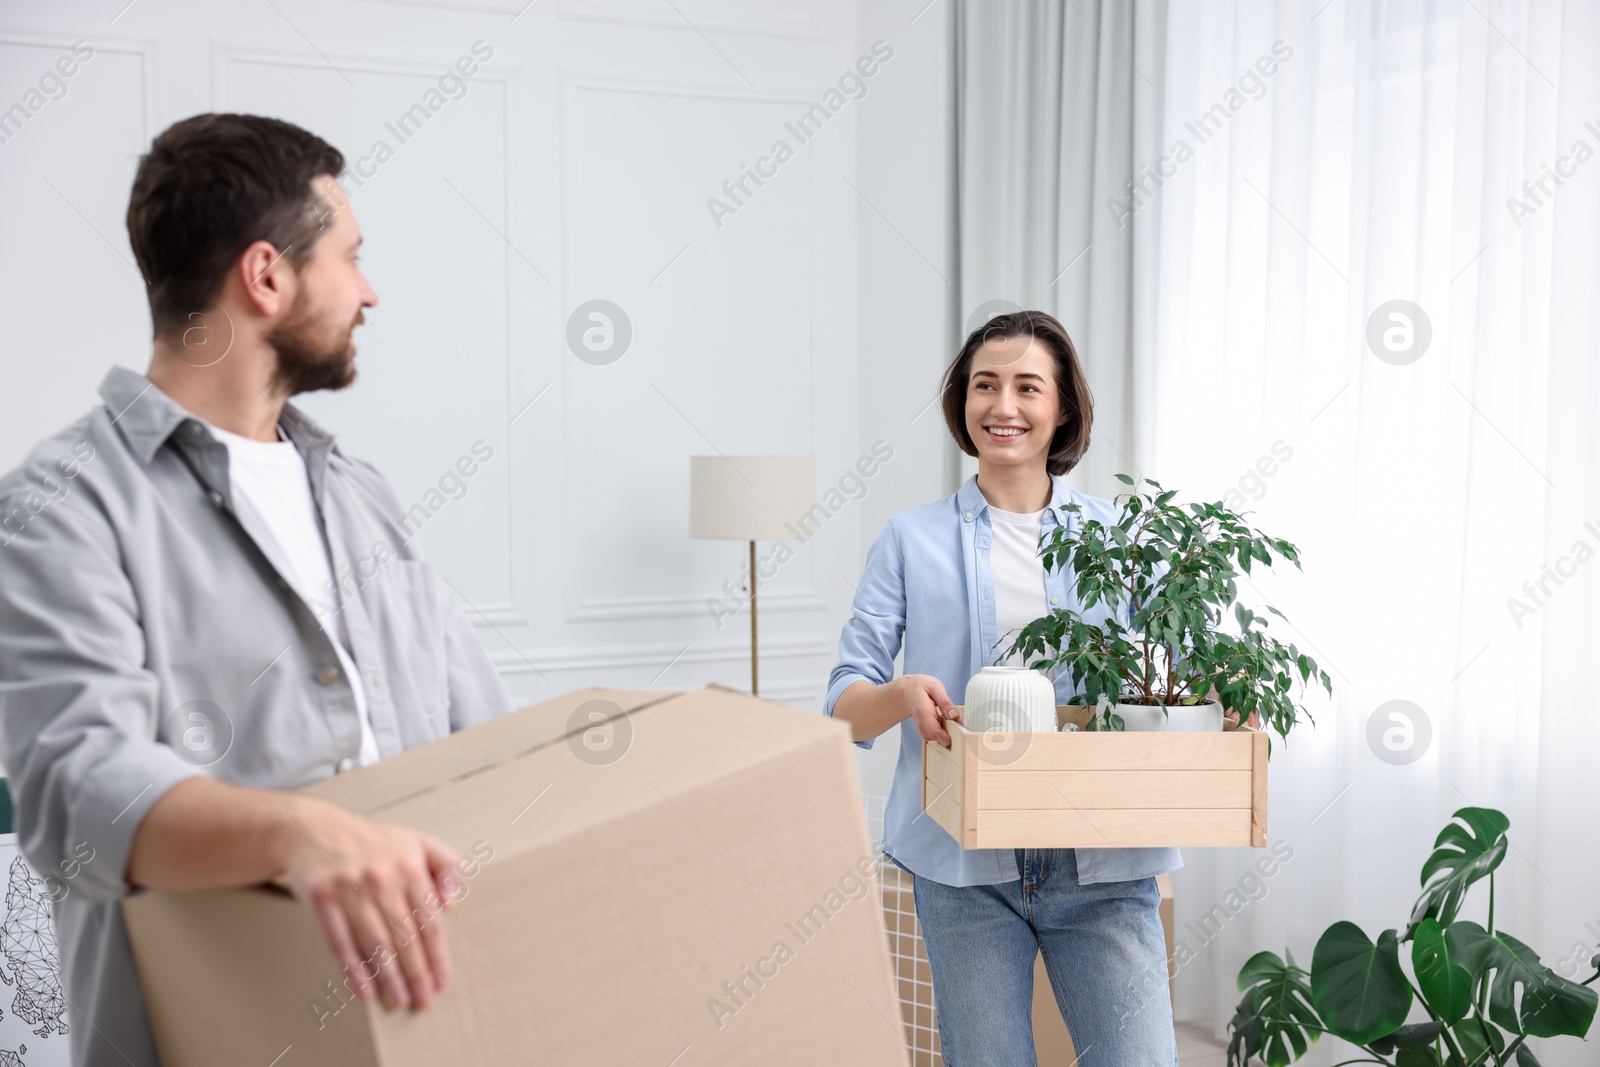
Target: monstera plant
x,y
1464,977
1177,565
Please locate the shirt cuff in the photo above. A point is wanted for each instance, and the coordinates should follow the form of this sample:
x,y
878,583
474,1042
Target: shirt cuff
x,y
108,807
832,698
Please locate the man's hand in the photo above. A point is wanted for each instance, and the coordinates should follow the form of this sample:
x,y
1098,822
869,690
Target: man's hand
x,y
925,700
377,890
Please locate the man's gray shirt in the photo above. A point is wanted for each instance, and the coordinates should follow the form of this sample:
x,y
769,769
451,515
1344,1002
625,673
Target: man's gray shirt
x,y
145,639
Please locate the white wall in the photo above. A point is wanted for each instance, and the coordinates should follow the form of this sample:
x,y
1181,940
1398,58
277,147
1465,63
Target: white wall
x,y
906,236
576,166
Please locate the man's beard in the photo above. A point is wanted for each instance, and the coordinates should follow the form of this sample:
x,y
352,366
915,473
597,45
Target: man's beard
x,y
306,361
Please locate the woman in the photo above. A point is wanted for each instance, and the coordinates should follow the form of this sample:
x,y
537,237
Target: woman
x,y
952,581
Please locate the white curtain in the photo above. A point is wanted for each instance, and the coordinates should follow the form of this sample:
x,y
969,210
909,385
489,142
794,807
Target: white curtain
x,y
1354,154
1056,105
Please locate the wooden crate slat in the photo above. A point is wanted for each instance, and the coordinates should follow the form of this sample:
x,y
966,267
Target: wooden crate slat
x,y
941,773
1113,828
1258,790
1114,789
945,809
1133,752
1094,790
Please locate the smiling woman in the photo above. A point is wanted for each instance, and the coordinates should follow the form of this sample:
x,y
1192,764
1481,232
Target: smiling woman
x,y
946,582
998,392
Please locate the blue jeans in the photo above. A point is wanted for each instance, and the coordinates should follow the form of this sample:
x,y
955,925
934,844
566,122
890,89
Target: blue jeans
x,y
1103,947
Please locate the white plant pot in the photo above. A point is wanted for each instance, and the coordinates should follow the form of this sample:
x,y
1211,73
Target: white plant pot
x,y
1012,699
1190,717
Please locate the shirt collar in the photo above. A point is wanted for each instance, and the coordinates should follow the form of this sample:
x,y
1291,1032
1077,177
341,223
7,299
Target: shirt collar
x,y
971,501
147,416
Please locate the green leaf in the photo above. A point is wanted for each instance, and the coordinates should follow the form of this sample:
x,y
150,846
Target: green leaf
x,y
1275,1020
1526,1058
1409,1036
1418,1035
1464,854
1479,1041
1417,1057
1550,1004
1445,985
1357,986
1124,479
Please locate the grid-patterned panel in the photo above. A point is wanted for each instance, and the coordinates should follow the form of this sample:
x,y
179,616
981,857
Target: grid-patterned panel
x,y
905,947
910,965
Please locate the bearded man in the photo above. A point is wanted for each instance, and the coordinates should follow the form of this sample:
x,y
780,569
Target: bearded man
x,y
175,655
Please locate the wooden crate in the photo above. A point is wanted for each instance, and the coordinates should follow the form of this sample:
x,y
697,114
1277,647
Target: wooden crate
x,y
1098,790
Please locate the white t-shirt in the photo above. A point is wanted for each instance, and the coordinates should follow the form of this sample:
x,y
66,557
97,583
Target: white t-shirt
x,y
1018,573
272,497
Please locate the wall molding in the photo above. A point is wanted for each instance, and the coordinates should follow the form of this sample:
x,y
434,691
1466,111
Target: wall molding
x,y
148,52
489,616
604,609
599,11
492,7
590,658
808,695
680,606
226,54
224,51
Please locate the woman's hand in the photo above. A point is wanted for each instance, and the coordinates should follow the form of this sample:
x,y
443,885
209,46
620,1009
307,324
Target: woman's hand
x,y
872,708
924,698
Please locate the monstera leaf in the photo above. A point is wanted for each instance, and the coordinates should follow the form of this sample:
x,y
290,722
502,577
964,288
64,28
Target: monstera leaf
x,y
1550,1004
1480,1041
1417,1057
1461,856
1275,1020
1445,984
1409,1038
1358,987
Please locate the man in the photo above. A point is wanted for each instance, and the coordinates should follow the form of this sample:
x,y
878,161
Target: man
x,y
205,604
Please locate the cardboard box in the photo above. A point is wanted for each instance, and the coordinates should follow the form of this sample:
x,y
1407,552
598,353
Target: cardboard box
x,y
1098,790
1052,1043
630,910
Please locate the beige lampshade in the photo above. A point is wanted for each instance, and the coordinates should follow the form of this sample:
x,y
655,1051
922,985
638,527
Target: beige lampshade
x,y
751,498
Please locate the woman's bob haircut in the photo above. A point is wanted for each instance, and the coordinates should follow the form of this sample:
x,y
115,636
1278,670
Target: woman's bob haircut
x,y
1071,439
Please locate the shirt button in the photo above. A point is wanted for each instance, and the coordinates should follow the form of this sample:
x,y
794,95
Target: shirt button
x,y
1055,600
346,764
328,676
216,498
969,514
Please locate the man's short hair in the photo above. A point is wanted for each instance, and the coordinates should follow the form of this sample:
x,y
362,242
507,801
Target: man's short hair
x,y
211,186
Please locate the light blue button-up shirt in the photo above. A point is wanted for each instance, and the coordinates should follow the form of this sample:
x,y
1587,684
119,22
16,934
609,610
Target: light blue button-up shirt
x,y
928,584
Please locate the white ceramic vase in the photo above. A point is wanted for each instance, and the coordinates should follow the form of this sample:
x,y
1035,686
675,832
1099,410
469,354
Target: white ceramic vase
x,y
1189,717
1012,699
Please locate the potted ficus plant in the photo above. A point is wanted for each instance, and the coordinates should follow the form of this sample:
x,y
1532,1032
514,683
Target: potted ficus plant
x,y
1175,665
1466,978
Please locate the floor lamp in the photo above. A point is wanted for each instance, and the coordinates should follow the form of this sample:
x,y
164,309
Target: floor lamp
x,y
752,498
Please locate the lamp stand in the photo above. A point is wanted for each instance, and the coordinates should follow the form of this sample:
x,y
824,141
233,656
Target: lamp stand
x,y
755,687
